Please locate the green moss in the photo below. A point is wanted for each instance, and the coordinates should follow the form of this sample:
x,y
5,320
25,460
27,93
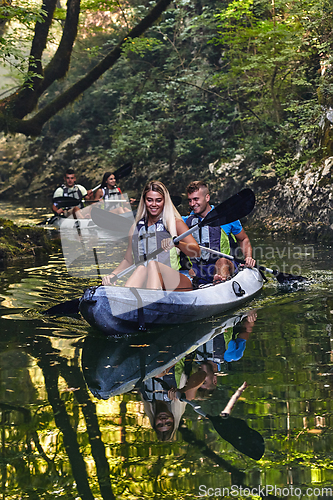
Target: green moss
x,y
19,241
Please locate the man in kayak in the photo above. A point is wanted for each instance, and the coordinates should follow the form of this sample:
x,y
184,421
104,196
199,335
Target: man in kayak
x,y
209,268
71,190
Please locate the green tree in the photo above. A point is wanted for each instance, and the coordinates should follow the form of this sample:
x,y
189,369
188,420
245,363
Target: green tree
x,y
272,53
39,76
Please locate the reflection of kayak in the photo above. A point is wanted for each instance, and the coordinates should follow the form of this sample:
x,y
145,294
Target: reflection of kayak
x,y
112,367
114,308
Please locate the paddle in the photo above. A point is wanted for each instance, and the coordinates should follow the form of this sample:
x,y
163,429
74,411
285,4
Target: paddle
x,y
236,207
234,430
66,201
282,278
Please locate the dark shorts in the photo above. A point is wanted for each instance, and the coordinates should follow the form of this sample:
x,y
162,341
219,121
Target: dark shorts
x,y
205,272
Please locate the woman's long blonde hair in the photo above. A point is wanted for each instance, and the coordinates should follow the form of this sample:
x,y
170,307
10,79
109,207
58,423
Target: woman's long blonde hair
x,y
169,214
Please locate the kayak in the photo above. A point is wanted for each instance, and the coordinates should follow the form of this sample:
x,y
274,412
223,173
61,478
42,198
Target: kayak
x,y
120,309
115,366
71,223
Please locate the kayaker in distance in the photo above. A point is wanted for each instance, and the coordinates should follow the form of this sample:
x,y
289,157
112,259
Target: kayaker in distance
x,y
208,268
156,223
72,190
109,192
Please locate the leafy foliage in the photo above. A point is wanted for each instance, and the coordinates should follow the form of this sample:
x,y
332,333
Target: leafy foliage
x,y
209,83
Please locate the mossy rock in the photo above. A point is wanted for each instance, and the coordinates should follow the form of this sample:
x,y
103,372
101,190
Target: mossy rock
x,y
20,241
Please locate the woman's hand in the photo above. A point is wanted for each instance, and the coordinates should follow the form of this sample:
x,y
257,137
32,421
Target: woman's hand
x,y
167,244
106,280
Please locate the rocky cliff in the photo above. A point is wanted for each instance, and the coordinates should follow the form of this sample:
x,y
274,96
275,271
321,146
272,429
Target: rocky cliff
x,y
299,205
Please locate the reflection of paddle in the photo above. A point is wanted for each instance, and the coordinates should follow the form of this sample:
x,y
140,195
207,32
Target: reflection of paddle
x,y
234,430
236,207
281,277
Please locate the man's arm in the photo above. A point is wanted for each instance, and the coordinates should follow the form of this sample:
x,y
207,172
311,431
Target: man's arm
x,y
245,245
57,194
86,195
57,210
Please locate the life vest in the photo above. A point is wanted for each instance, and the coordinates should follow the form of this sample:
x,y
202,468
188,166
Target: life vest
x,y
111,194
147,239
73,193
211,237
156,389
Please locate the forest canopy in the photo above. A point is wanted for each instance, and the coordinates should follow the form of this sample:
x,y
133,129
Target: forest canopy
x,y
218,80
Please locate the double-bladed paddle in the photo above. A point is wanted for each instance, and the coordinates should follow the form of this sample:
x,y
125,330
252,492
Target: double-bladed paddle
x,y
233,430
235,207
282,278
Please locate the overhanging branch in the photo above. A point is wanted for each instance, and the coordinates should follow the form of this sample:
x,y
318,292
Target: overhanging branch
x,y
35,124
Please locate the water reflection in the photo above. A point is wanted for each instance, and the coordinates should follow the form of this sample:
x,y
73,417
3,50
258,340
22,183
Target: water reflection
x,y
55,429
171,369
59,440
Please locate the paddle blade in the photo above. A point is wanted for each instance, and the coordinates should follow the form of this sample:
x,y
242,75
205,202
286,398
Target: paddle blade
x,y
240,435
113,222
123,171
234,208
64,308
176,200
66,201
286,279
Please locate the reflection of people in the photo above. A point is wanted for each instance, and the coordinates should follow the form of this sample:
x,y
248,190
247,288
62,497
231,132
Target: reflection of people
x,y
110,192
157,222
71,190
161,405
228,346
209,268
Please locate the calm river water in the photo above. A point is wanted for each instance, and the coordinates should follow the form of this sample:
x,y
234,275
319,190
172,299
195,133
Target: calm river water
x,y
59,439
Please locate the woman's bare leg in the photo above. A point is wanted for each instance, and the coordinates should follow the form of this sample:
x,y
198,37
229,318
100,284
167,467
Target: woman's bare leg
x,y
138,278
164,277
154,279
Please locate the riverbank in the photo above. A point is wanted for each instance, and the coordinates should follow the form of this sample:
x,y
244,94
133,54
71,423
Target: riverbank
x,y
25,241
300,205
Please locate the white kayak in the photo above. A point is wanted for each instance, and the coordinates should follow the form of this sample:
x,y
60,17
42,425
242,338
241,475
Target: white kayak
x,y
86,223
119,309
